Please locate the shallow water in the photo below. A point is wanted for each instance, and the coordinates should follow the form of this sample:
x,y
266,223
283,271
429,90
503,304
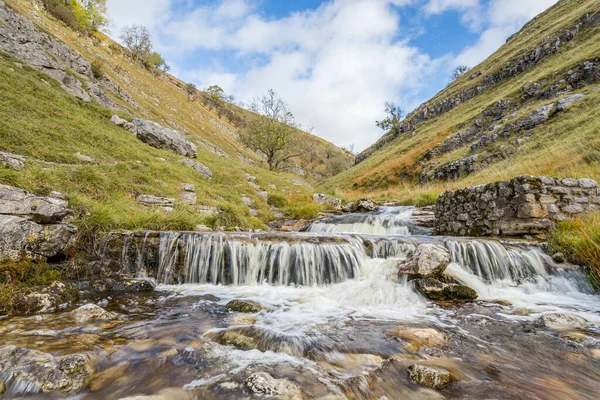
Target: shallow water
x,y
337,340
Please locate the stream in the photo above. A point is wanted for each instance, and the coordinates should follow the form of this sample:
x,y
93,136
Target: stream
x,y
336,322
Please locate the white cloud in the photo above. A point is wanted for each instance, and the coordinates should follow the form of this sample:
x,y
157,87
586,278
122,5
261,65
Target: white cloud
x,y
440,6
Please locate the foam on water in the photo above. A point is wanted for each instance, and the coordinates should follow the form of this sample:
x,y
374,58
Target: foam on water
x,y
386,221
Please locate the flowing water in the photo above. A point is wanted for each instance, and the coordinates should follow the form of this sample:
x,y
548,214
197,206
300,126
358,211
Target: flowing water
x,y
333,317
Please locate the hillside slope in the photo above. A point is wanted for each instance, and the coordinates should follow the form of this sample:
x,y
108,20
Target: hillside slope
x,y
530,108
53,122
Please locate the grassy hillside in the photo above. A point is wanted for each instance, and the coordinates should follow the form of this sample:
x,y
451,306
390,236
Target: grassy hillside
x,y
566,145
39,120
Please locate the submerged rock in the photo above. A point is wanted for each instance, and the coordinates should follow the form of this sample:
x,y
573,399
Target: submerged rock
x,y
42,372
239,340
419,336
245,306
91,312
432,377
429,261
561,321
265,384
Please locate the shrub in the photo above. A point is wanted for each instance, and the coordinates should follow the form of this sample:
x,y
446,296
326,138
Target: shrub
x,y
63,12
303,211
98,67
276,200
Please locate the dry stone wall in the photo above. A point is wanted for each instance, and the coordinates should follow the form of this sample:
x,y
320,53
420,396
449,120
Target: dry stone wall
x,y
526,205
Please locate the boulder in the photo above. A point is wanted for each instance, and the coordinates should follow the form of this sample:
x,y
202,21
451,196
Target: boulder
x,y
149,200
21,238
13,161
431,377
434,289
20,203
263,195
364,205
327,200
199,167
91,312
245,306
568,101
247,201
84,158
459,292
561,321
162,138
189,198
263,383
115,119
428,261
43,372
348,207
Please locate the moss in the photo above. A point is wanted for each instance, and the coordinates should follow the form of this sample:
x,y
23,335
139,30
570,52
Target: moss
x,y
244,306
238,340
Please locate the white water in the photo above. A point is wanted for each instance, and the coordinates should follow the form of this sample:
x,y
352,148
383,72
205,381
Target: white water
x,y
386,221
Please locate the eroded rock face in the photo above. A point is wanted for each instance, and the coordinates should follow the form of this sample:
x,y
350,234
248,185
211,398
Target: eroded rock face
x,y
91,312
20,203
431,377
263,383
324,199
43,372
163,138
199,167
428,261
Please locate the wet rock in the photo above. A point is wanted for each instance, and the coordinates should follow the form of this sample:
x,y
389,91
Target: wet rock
x,y
149,200
198,167
364,205
163,138
123,285
559,258
43,372
434,289
250,177
239,340
327,200
419,336
431,377
265,384
459,292
245,306
91,312
428,261
561,321
42,210
21,238
242,319
13,161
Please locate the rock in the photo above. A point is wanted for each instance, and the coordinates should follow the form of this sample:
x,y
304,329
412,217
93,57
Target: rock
x,y
242,319
264,384
207,210
253,212
428,261
559,258
189,198
364,205
568,101
126,285
247,201
250,177
327,200
188,187
162,138
430,288
58,196
21,238
91,312
253,185
43,372
419,336
115,119
148,200
431,377
13,161
84,158
199,167
271,186
202,228
263,195
348,207
44,210
561,321
459,292
239,340
245,306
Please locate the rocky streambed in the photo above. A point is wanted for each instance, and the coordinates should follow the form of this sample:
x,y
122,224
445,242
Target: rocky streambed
x,y
336,314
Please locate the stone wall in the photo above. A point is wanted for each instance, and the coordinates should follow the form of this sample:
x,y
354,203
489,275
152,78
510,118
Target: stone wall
x,y
526,205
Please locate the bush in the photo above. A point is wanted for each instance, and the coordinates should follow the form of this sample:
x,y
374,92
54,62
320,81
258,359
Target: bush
x,y
579,240
98,67
276,200
62,12
303,211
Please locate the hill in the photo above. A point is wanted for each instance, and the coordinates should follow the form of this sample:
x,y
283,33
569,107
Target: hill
x,y
60,89
530,108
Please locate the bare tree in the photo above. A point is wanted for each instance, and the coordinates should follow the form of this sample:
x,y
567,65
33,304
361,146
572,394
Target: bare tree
x,y
458,72
272,132
137,39
394,116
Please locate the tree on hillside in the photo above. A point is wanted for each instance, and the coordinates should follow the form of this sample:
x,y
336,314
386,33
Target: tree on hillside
x,y
138,41
394,113
190,89
96,13
458,72
272,131
217,93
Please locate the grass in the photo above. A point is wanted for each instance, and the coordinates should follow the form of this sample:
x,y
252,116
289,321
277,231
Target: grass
x,y
568,145
579,240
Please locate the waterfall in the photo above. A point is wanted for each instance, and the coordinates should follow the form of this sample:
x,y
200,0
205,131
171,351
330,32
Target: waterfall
x,y
248,259
386,221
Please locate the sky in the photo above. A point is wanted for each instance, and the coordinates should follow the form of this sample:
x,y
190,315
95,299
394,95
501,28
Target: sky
x,y
335,62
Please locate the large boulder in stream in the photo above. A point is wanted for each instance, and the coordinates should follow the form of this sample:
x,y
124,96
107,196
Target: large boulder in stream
x,y
435,289
35,371
428,261
162,138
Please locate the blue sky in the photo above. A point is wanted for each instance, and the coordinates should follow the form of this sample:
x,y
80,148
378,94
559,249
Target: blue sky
x,y
334,61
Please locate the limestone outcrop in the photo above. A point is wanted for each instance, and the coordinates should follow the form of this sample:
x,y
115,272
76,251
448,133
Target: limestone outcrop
x,y
324,199
526,205
198,167
162,138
